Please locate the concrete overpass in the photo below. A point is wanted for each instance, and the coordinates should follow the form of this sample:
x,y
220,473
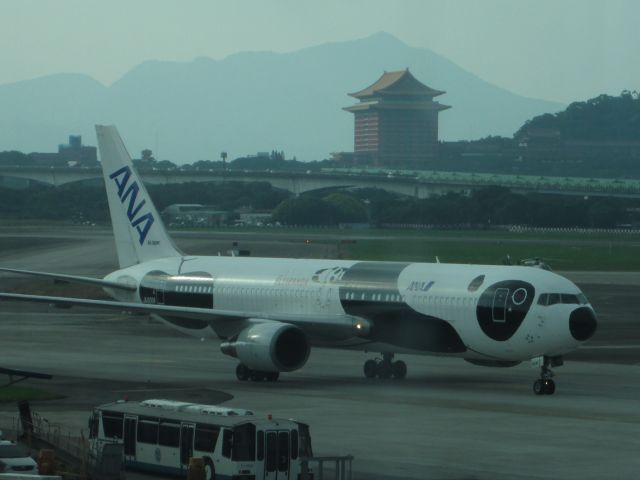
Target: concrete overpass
x,y
419,184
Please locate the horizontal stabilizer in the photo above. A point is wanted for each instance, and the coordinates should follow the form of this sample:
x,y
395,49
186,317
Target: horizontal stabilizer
x,y
73,279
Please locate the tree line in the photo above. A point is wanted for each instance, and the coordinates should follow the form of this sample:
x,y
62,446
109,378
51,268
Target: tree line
x,y
604,117
483,208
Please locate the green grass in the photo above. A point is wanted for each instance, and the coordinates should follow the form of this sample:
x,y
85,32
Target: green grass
x,y
599,251
565,255
14,393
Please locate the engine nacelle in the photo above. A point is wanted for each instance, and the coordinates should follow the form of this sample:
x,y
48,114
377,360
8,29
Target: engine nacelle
x,y
270,347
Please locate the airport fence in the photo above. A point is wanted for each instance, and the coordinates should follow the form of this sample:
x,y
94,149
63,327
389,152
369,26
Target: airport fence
x,y
72,448
514,228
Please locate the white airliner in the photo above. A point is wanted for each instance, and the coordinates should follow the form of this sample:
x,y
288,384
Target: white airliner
x,y
270,312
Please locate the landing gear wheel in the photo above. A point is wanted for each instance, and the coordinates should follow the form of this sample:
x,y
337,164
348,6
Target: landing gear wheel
x,y
545,384
242,372
549,387
385,367
538,387
399,369
370,368
257,376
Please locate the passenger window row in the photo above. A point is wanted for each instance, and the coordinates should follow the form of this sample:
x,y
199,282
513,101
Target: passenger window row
x,y
436,300
194,288
264,292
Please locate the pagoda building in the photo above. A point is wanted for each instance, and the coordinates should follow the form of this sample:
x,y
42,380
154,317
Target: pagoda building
x,y
396,122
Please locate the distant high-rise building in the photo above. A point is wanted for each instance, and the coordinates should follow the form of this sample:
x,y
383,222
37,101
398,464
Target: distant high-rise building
x,y
76,153
396,122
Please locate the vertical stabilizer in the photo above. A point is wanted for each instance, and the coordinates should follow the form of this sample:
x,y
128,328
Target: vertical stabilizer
x,y
139,232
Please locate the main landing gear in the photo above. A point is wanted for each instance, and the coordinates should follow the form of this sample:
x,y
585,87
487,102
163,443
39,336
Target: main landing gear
x,y
545,384
244,373
385,367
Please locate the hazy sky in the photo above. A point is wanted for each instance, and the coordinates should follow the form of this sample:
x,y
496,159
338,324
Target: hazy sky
x,y
553,49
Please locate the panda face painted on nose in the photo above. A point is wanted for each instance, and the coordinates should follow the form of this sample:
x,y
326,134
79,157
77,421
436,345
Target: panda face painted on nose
x,y
503,306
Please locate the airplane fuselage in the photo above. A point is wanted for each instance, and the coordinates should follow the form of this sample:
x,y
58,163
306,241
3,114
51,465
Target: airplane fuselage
x,y
471,311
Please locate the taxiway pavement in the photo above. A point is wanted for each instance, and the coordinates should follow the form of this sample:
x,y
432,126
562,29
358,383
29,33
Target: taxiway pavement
x,y
447,420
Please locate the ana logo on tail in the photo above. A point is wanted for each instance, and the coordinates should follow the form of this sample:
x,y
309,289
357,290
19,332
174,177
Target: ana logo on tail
x,y
142,223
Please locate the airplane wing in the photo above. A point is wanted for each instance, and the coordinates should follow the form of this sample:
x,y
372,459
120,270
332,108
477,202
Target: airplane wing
x,y
73,279
212,316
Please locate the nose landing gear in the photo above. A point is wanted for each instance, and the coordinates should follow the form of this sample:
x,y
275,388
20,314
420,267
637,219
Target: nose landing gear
x,y
385,367
545,384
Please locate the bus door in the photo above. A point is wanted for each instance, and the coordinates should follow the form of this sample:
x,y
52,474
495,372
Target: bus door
x,y
277,455
186,443
129,438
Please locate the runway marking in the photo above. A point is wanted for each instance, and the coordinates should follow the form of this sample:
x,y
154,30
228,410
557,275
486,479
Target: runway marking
x,y
610,347
182,389
52,314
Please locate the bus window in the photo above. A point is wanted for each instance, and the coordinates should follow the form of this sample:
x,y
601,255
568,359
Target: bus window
x,y
305,440
93,425
186,443
294,444
130,436
227,443
260,447
169,434
244,443
147,431
206,438
112,424
272,451
283,451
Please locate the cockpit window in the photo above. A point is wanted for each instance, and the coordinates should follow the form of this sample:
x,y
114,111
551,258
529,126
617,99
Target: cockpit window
x,y
554,298
569,298
547,299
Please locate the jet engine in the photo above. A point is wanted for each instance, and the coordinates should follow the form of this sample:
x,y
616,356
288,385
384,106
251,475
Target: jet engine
x,y
269,347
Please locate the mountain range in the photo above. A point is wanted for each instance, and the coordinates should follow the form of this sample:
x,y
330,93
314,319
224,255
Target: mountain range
x,y
250,102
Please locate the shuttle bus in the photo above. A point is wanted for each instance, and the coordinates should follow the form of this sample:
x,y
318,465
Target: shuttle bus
x,y
162,435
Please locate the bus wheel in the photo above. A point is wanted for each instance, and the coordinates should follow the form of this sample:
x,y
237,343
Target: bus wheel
x,y
242,372
209,469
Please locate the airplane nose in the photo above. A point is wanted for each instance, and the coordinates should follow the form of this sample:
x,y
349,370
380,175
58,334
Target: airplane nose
x,y
582,323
